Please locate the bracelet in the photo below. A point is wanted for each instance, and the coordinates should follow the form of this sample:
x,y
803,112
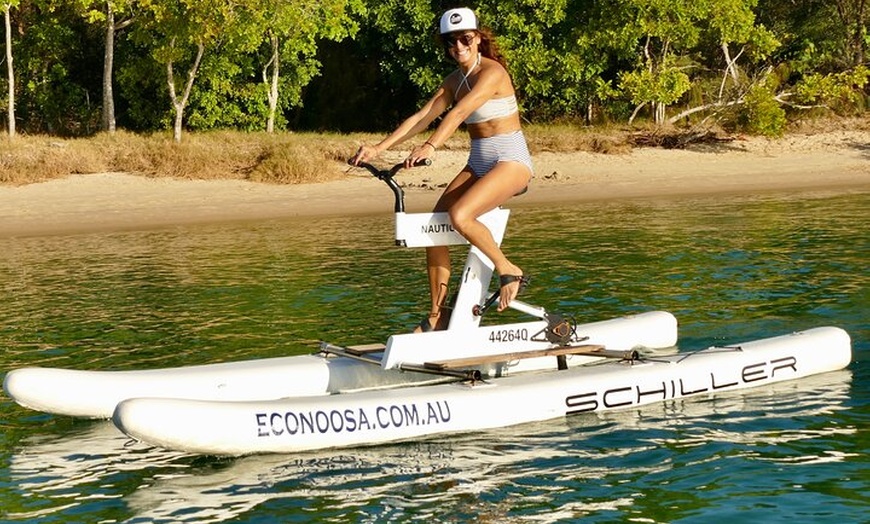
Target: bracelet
x,y
430,144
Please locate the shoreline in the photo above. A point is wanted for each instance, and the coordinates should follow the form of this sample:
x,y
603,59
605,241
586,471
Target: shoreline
x,y
104,202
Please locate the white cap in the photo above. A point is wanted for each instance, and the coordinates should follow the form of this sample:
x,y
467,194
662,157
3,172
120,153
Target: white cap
x,y
459,19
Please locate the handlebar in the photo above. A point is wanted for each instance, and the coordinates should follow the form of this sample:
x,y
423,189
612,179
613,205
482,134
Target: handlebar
x,y
387,176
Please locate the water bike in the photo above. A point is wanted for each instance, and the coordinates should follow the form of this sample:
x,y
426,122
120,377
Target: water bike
x,y
466,377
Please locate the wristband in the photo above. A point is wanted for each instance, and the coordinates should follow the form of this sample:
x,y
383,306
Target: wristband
x,y
431,145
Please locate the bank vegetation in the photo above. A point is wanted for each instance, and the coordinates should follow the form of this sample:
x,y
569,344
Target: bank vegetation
x,y
306,157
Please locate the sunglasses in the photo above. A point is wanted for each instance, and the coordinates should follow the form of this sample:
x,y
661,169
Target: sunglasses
x,y
466,39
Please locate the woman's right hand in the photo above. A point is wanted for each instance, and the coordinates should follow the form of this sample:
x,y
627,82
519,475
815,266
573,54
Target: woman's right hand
x,y
364,154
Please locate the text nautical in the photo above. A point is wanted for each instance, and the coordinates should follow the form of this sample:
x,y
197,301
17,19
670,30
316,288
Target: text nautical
x,y
428,229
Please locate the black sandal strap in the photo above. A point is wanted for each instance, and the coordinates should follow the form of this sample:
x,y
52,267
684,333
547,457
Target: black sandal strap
x,y
425,325
504,280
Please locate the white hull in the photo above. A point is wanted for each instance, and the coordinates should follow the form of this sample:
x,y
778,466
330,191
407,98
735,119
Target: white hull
x,y
372,417
94,394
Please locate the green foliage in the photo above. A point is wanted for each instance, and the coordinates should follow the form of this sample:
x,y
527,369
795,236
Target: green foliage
x,y
664,86
837,90
141,87
762,114
299,26
56,91
225,98
526,28
408,45
568,59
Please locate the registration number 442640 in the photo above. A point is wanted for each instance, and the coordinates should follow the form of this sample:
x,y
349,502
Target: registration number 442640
x,y
508,335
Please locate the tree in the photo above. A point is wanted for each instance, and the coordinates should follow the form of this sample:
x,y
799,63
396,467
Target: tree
x,y
181,30
554,81
854,16
290,30
54,71
242,64
597,43
682,43
408,29
732,24
10,71
540,40
106,13
666,29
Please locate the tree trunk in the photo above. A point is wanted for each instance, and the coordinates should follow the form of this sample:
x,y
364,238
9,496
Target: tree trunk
x,y
659,112
635,112
108,123
10,72
178,104
176,127
273,86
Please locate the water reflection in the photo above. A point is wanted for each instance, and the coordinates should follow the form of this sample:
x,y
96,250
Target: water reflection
x,y
576,466
731,270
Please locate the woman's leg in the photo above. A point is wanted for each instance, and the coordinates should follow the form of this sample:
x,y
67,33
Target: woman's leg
x,y
438,271
438,257
505,180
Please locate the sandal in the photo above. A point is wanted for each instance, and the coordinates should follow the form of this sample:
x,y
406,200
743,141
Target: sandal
x,y
504,280
442,321
426,325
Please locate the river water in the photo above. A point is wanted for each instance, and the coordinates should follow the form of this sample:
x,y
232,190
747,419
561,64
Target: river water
x,y
730,268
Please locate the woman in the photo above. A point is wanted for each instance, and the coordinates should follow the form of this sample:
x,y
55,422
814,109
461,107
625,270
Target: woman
x,y
481,94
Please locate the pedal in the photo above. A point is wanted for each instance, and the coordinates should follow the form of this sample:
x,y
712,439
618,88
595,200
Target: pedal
x,y
559,329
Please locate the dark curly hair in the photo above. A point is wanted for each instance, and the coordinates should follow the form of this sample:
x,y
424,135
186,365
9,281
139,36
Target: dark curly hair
x,y
489,48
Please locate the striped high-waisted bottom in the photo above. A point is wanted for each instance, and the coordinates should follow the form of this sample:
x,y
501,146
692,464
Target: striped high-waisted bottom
x,y
487,152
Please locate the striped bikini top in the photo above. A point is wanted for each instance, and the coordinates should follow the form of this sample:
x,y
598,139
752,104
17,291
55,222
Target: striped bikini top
x,y
492,108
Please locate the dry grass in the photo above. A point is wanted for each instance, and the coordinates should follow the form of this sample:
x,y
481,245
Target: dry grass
x,y
282,158
567,138
810,126
277,158
293,158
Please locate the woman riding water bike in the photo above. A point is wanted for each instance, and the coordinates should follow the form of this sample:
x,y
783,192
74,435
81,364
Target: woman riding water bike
x,y
479,93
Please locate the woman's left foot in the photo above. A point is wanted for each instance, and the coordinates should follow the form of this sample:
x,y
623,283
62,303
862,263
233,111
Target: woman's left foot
x,y
434,322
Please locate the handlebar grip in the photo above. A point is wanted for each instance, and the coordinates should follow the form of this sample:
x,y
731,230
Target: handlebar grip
x,y
422,162
380,173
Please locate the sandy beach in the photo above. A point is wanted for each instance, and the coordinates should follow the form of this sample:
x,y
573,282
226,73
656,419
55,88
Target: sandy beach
x,y
120,201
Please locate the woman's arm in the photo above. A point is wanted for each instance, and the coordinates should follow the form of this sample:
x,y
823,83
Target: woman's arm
x,y
413,125
489,83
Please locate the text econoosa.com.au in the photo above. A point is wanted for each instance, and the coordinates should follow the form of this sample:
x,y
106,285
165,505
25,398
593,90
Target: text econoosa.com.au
x,y
349,420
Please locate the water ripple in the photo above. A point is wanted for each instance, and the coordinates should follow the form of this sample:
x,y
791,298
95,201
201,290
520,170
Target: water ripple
x,y
731,270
